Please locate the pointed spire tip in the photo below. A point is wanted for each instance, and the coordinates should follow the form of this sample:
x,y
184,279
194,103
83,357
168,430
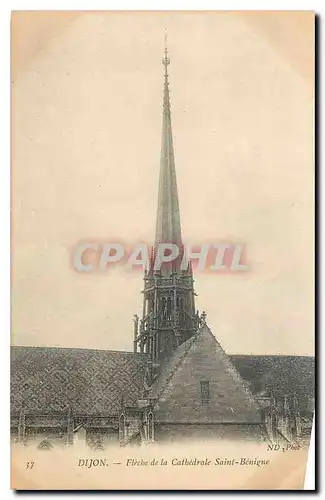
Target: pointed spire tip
x,y
165,59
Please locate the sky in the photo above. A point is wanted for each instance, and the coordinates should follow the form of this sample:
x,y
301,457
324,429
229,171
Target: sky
x,y
86,131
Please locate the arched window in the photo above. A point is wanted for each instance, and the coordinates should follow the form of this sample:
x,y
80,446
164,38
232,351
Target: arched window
x,y
274,424
164,310
98,446
151,427
122,435
169,309
45,445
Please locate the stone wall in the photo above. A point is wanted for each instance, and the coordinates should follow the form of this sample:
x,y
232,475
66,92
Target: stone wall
x,y
209,432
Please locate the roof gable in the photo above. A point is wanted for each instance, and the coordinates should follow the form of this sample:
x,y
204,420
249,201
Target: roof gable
x,y
178,388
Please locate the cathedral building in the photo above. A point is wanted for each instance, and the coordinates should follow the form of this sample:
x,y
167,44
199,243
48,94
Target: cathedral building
x,y
177,384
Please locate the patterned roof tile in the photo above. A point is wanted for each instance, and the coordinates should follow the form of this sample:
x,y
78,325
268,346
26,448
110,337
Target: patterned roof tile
x,y
50,379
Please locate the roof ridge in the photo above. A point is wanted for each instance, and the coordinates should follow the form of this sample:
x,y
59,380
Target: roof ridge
x,y
233,355
233,371
59,348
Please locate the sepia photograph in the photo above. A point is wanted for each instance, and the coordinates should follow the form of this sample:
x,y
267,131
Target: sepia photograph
x,y
162,249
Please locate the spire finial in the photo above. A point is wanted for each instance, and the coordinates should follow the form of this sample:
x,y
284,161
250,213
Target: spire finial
x,y
166,59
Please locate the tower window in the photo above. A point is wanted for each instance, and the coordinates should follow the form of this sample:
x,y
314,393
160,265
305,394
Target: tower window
x,y
205,392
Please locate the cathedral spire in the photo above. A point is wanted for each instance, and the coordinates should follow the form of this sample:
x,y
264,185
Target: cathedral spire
x,y
168,226
168,315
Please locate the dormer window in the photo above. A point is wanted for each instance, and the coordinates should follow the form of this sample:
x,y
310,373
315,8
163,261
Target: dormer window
x,y
205,392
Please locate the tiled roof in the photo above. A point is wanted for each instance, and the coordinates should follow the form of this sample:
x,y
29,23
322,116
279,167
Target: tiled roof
x,y
279,374
91,382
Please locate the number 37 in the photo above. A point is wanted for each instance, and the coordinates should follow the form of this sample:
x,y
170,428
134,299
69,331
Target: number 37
x,y
29,465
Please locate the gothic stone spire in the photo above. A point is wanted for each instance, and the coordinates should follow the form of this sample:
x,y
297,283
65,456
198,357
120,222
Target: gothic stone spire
x,y
169,317
168,226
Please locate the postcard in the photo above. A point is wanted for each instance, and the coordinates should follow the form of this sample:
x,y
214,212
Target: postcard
x,y
162,249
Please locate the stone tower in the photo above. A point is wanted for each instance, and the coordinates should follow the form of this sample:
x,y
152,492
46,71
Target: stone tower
x,y
169,317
